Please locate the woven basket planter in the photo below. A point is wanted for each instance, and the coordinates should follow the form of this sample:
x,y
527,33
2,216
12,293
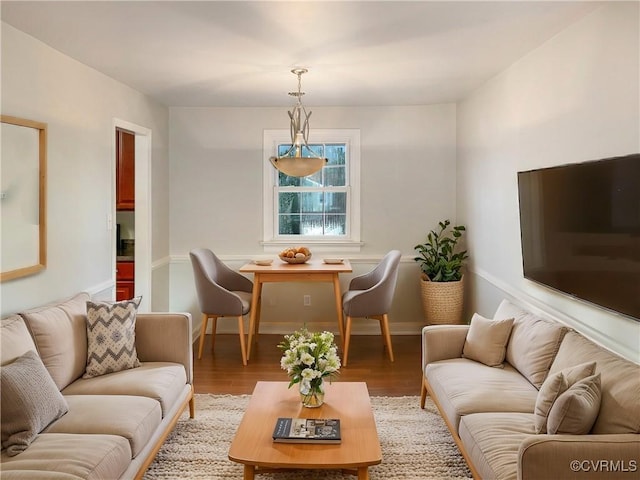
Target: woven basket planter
x,y
442,302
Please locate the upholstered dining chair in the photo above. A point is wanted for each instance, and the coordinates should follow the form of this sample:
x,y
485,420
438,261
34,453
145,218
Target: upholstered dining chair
x,y
222,292
370,296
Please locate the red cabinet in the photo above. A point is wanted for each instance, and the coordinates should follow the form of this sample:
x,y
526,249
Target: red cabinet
x,y
125,170
125,285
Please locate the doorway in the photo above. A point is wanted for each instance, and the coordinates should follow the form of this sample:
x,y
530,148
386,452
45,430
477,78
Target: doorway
x,y
134,217
125,214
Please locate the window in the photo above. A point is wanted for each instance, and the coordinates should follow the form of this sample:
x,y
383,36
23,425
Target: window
x,y
322,209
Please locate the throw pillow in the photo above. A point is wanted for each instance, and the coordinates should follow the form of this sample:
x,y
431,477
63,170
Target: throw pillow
x,y
30,402
111,337
486,340
551,389
575,411
554,386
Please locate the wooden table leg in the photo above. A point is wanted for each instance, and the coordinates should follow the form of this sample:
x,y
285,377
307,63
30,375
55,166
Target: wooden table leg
x,y
259,311
363,473
338,295
255,311
249,472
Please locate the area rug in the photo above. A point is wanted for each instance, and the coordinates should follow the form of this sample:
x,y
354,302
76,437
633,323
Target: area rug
x,y
416,444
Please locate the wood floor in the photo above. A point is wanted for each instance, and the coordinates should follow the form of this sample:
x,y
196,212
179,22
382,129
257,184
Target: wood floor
x,y
222,371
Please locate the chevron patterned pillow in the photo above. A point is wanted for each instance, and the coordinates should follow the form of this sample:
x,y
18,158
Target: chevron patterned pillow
x,y
111,337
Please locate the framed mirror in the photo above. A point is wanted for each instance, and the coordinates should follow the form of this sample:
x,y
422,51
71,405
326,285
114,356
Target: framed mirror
x,y
23,212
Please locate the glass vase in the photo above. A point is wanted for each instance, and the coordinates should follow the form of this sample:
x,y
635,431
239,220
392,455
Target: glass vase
x,y
313,396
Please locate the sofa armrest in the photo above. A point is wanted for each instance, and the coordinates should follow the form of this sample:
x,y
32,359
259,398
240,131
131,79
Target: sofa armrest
x,y
615,456
165,337
442,342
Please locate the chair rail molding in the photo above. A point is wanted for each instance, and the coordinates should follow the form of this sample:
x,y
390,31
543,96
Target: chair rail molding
x,y
357,259
529,302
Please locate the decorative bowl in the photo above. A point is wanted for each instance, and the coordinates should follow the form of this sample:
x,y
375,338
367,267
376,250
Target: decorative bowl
x,y
295,259
295,255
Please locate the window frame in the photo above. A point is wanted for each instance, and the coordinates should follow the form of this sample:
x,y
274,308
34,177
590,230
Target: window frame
x,y
350,242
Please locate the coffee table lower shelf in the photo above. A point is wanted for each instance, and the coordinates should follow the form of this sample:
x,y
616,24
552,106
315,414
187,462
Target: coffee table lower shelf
x,y
253,446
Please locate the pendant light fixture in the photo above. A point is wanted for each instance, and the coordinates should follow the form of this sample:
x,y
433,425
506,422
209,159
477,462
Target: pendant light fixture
x,y
299,160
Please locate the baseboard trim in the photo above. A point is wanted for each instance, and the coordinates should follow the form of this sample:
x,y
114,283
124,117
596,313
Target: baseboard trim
x,y
361,327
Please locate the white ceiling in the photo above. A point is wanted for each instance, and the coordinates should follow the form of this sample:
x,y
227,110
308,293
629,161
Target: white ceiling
x,y
237,53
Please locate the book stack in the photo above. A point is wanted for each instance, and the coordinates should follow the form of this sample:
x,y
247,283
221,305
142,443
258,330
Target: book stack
x,y
307,430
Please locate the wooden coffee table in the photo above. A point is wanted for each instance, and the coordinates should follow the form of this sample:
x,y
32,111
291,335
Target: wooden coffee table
x,y
348,401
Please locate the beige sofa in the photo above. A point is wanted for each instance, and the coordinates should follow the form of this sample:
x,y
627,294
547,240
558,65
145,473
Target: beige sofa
x,y
116,422
491,412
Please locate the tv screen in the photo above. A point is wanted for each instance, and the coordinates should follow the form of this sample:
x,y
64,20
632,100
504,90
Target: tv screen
x,y
580,230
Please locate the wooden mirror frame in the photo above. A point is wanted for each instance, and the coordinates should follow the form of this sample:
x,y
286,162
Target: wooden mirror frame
x,y
23,271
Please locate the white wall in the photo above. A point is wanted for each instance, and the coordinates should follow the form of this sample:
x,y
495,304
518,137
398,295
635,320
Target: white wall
x,y
408,184
573,99
79,105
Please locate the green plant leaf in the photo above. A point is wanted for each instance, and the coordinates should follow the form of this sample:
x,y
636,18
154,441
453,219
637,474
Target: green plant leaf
x,y
438,259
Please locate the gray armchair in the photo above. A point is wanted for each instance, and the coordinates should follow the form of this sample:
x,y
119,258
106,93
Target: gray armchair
x,y
370,295
222,292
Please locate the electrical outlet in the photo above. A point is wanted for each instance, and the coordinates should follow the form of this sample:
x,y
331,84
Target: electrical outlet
x,y
307,300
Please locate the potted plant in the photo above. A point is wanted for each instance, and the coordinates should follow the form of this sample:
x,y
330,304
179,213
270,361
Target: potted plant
x,y
441,279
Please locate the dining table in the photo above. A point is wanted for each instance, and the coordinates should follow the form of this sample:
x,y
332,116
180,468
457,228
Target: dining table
x,y
313,270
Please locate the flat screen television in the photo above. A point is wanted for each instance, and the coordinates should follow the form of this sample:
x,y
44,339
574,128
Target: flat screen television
x,y
580,230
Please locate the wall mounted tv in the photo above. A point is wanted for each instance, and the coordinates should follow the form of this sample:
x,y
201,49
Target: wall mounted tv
x,y
580,230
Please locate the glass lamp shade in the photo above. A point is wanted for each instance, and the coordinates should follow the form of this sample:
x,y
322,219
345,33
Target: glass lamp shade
x,y
298,166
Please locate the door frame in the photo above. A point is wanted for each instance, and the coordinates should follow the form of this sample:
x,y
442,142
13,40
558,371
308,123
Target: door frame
x,y
142,253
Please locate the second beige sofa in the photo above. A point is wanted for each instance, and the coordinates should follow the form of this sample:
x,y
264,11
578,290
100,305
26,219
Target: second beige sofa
x,y
490,410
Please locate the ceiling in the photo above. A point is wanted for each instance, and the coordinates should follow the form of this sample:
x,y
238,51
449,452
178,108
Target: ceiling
x,y
237,53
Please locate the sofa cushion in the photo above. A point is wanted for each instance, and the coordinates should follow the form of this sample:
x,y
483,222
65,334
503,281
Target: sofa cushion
x,y
620,383
134,418
30,401
111,337
492,440
60,334
16,339
575,410
162,381
486,340
534,342
83,456
464,386
554,386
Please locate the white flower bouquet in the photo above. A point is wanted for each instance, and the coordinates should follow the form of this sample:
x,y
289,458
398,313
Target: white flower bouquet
x,y
309,357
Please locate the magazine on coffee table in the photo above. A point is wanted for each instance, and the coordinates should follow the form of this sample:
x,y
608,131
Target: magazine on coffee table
x,y
307,430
